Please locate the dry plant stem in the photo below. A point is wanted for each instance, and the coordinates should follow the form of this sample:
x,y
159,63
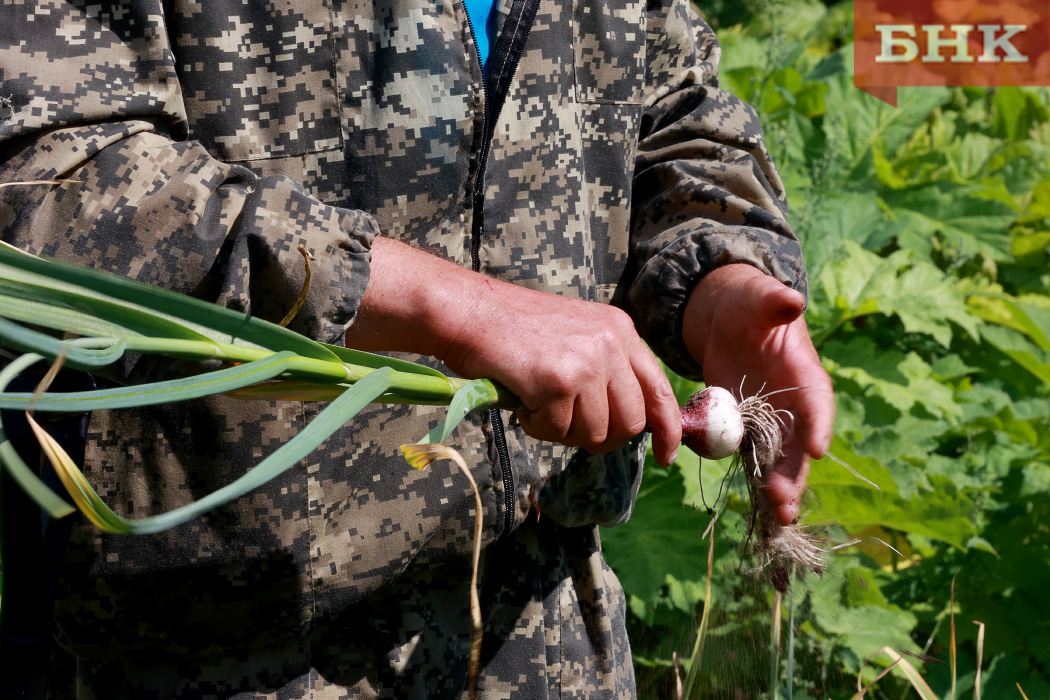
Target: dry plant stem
x,y
678,690
475,600
774,644
419,456
980,659
863,689
41,182
302,291
701,632
780,547
951,638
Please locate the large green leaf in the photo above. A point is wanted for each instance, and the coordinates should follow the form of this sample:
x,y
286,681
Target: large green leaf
x,y
1017,111
861,628
943,513
1021,350
901,379
966,224
1028,318
660,542
846,216
861,123
857,283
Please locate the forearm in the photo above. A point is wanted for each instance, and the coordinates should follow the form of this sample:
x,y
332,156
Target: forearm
x,y
415,302
583,376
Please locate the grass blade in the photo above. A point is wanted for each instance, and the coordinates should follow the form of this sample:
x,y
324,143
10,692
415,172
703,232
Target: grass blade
x,y
85,498
980,659
951,640
791,637
899,662
371,359
862,691
51,503
40,300
701,631
57,318
774,644
26,478
28,340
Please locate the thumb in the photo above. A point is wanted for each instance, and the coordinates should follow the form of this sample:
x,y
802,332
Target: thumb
x,y
776,304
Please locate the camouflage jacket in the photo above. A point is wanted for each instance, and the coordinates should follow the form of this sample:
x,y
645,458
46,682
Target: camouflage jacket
x,y
600,160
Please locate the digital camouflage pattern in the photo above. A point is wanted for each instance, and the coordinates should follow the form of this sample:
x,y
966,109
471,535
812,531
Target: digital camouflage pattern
x,y
207,141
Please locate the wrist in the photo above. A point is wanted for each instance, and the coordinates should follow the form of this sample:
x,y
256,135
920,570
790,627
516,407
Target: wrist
x,y
415,302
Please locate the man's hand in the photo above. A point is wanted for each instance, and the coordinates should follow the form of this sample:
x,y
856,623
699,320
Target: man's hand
x,y
743,325
584,376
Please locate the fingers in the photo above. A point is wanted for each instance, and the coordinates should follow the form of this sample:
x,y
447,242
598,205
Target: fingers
x,y
813,408
661,408
762,337
816,412
552,418
607,401
784,487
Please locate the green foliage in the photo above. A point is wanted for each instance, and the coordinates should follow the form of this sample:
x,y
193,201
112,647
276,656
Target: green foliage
x,y
926,230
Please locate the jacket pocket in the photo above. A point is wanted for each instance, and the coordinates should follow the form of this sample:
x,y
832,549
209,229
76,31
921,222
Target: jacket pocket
x,y
264,84
609,50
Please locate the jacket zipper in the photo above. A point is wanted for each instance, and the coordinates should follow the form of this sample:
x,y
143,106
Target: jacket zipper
x,y
509,47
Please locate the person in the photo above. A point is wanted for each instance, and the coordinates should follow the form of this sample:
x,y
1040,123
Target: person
x,y
538,222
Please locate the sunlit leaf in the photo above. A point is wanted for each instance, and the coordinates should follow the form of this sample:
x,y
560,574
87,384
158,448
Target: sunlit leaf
x,y
857,283
966,224
944,513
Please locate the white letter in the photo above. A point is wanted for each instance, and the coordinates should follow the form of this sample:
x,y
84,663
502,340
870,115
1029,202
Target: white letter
x,y
991,43
935,42
890,42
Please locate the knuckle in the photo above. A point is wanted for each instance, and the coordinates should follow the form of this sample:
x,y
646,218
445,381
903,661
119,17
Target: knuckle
x,y
634,427
620,317
627,430
663,393
597,437
559,385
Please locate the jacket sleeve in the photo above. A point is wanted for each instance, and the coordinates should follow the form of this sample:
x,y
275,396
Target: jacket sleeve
x,y
706,193
94,98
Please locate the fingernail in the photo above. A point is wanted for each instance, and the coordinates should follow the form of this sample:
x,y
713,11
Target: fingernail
x,y
674,456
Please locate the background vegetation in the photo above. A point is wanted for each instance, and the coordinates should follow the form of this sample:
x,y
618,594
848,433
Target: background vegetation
x,y
926,230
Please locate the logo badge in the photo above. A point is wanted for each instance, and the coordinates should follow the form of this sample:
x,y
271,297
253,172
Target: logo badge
x,y
949,43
